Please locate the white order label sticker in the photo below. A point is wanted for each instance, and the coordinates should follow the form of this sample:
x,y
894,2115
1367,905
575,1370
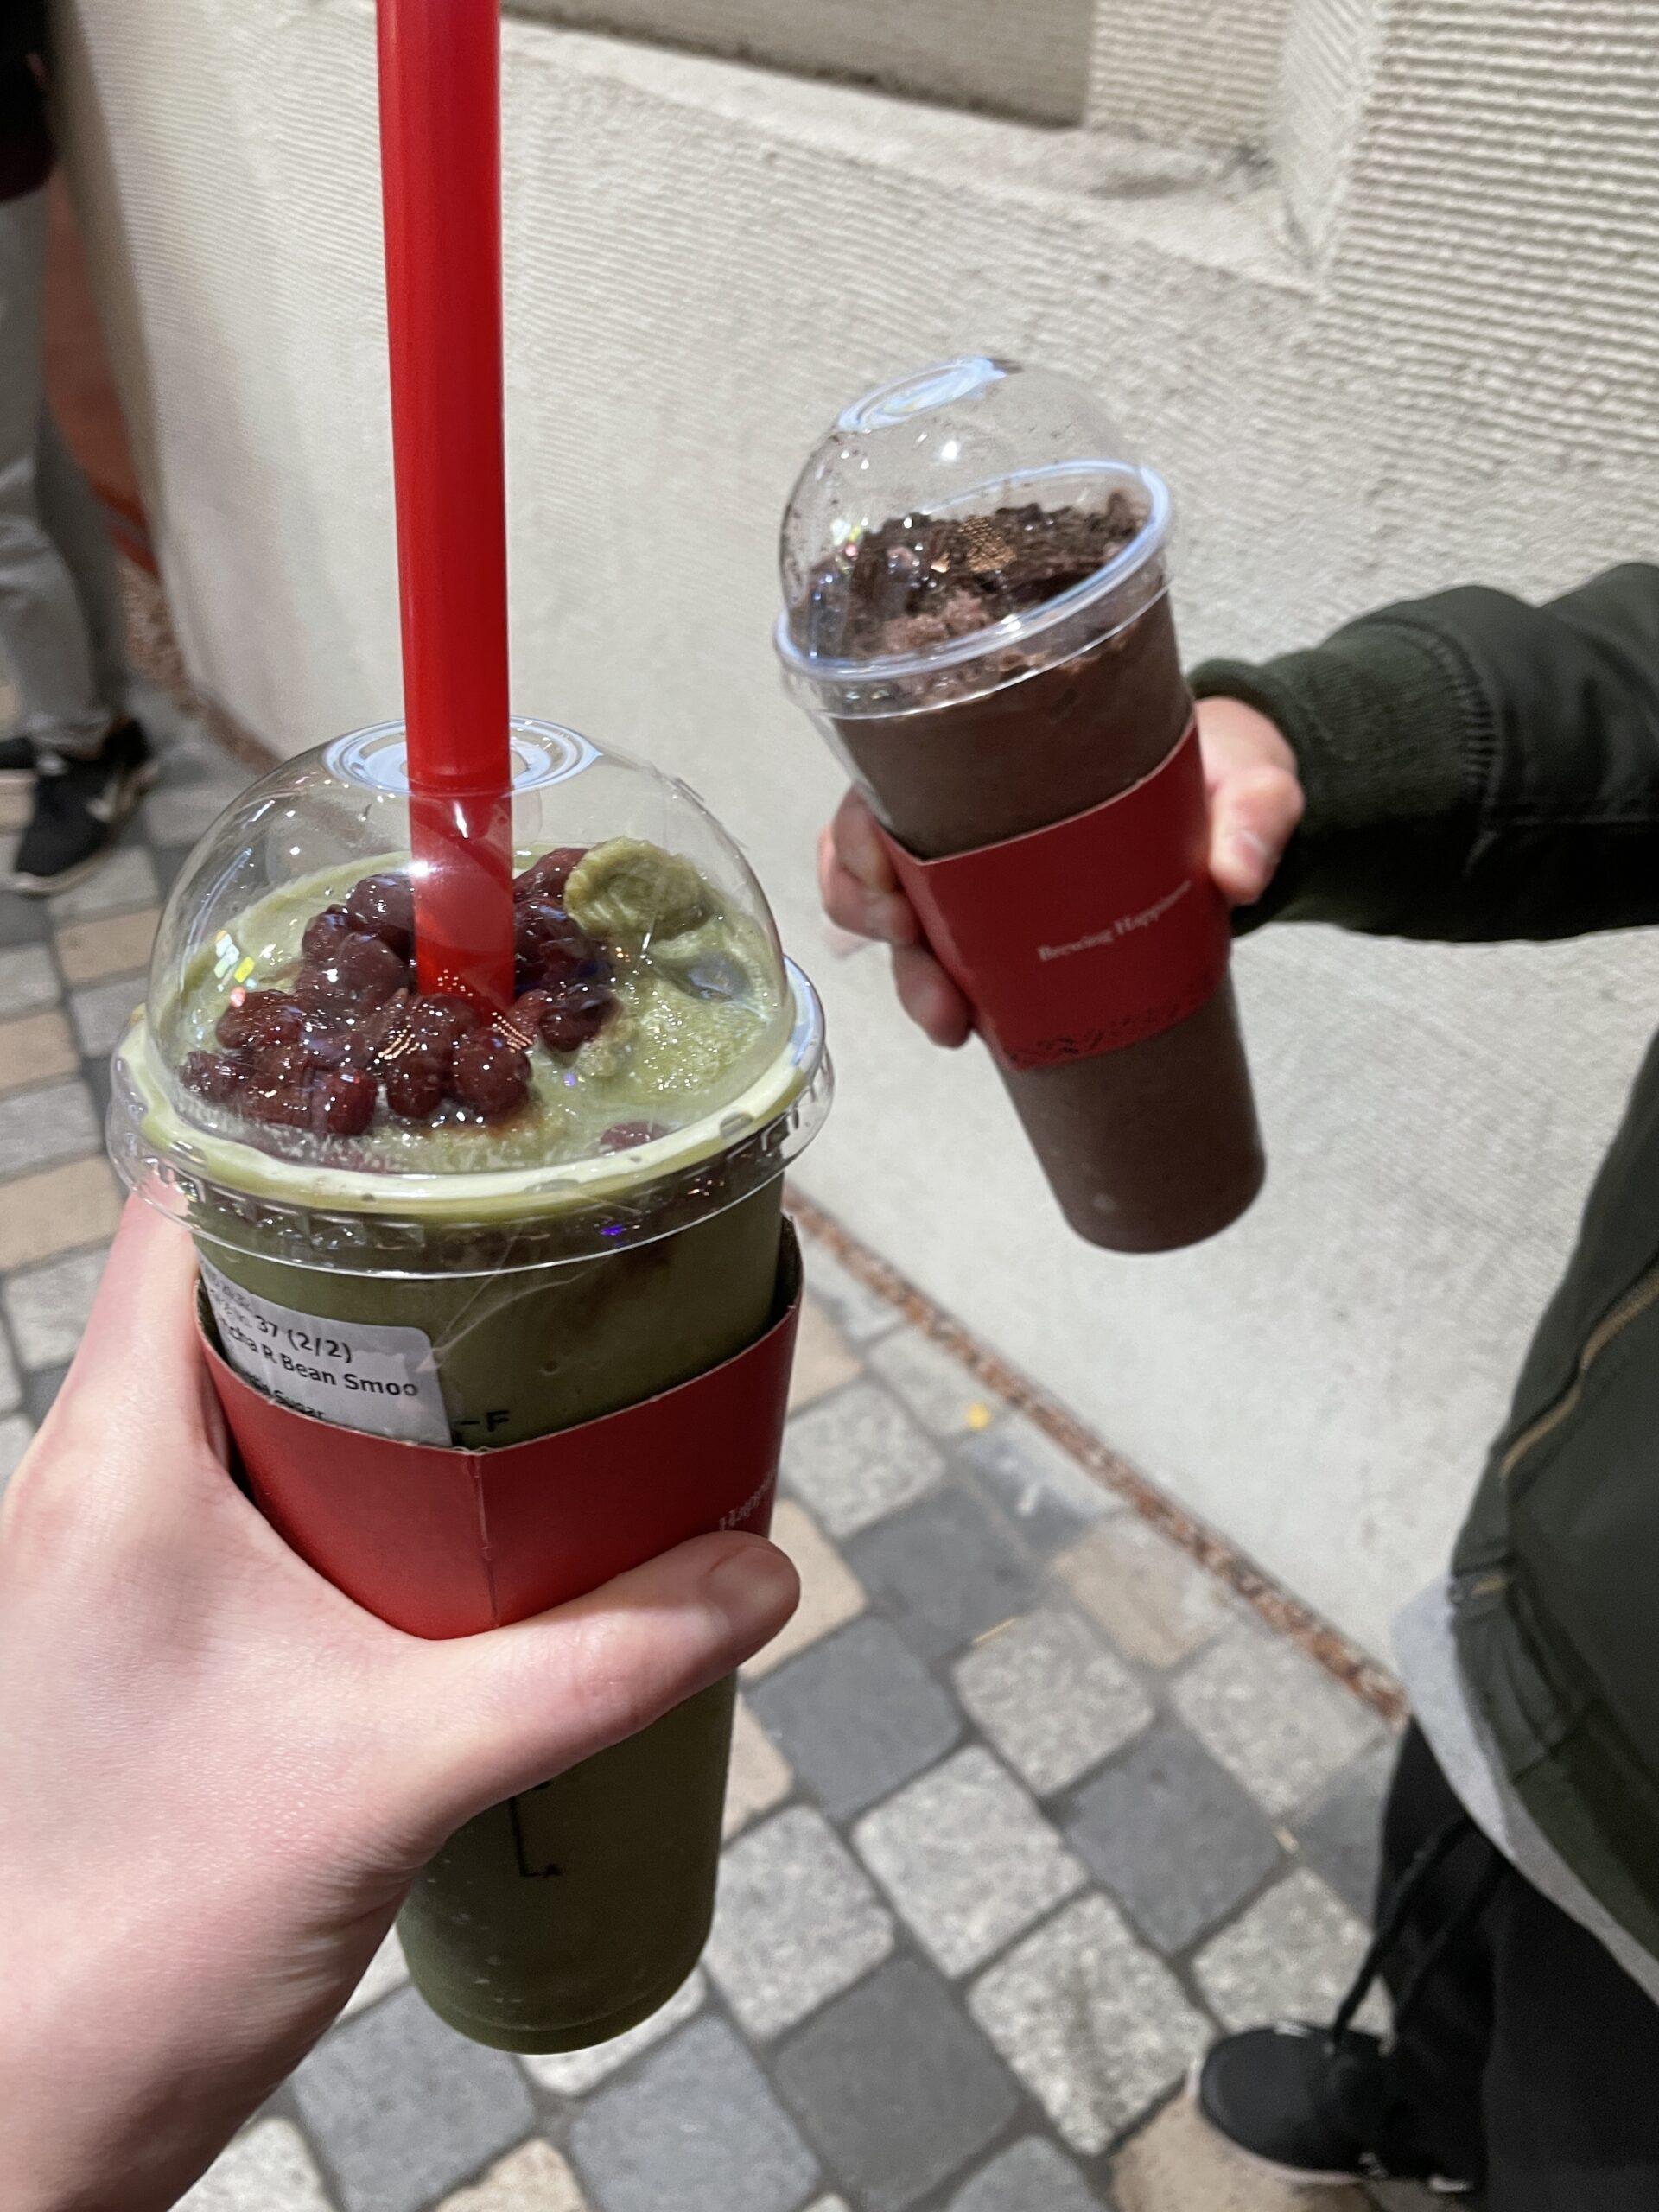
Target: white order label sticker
x,y
352,1373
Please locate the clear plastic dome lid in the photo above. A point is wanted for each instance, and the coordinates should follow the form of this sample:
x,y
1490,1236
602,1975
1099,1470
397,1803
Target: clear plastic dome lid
x,y
287,1059
968,510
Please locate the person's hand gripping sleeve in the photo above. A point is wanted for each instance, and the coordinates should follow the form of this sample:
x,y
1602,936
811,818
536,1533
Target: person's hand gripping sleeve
x,y
1255,802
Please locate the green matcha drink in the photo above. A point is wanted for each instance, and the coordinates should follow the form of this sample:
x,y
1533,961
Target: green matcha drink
x,y
427,1225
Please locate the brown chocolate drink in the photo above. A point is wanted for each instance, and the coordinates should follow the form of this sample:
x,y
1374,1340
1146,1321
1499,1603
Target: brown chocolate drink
x,y
1050,741
1154,1146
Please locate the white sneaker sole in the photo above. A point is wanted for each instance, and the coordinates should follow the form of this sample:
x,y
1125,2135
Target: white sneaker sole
x,y
124,805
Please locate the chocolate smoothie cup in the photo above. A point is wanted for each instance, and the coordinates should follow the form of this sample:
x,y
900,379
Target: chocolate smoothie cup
x,y
976,616
477,1281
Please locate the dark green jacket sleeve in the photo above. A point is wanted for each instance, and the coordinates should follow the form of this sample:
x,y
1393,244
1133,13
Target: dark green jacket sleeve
x,y
1475,767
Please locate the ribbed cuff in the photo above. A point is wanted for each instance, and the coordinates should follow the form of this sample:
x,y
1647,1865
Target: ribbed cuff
x,y
1382,719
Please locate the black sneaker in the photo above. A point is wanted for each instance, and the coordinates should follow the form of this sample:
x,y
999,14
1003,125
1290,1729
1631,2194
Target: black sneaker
x,y
80,806
16,759
1313,2107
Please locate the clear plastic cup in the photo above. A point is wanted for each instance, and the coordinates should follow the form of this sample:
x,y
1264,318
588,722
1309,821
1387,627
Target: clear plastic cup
x,y
976,616
501,1274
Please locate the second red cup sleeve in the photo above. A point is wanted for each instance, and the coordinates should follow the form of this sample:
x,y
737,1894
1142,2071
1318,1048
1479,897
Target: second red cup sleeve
x,y
1088,935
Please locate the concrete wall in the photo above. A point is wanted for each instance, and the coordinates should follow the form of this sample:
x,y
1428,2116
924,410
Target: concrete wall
x,y
1414,347
1032,60
1194,72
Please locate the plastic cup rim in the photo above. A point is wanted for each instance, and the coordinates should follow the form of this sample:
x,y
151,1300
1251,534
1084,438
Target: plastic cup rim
x,y
490,1199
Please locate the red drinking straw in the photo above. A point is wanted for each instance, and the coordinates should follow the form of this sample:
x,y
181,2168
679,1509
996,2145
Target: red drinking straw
x,y
441,166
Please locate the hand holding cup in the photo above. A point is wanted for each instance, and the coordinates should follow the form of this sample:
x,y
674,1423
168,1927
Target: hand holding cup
x,y
1256,803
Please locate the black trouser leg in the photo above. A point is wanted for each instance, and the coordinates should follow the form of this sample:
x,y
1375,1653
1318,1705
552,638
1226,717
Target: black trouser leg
x,y
1526,2052
1441,2048
1572,2083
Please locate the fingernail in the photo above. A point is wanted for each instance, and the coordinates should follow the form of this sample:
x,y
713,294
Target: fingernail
x,y
754,1587
1255,847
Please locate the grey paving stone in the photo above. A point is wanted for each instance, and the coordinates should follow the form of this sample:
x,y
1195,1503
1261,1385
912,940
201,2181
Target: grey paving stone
x,y
28,980
169,861
1051,1697
856,1311
1154,1601
266,2169
823,1358
1341,1834
573,2073
404,2108
831,1595
1280,1723
17,1432
858,1456
102,1011
177,813
1033,2176
895,2086
99,1076
48,1306
532,2178
125,880
40,1127
1172,1837
387,1970
191,755
796,1924
967,1859
40,1388
947,1398
758,1776
856,1716
1048,1497
698,2129
944,1570
1095,2026
23,921
1291,1957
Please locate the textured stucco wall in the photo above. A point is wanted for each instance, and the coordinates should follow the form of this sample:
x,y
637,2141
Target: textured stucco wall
x,y
703,261
1029,61
1322,99
1193,72
1499,247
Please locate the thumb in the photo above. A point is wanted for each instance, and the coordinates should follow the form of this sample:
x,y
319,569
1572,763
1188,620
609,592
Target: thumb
x,y
491,1715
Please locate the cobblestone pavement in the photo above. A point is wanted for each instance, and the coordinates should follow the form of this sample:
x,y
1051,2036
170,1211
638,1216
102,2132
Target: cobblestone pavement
x,y
1025,1805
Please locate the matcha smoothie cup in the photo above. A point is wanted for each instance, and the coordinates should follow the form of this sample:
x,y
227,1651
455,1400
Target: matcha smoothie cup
x,y
481,1238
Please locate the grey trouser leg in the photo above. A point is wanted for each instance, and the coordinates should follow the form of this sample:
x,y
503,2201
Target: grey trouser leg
x,y
61,627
